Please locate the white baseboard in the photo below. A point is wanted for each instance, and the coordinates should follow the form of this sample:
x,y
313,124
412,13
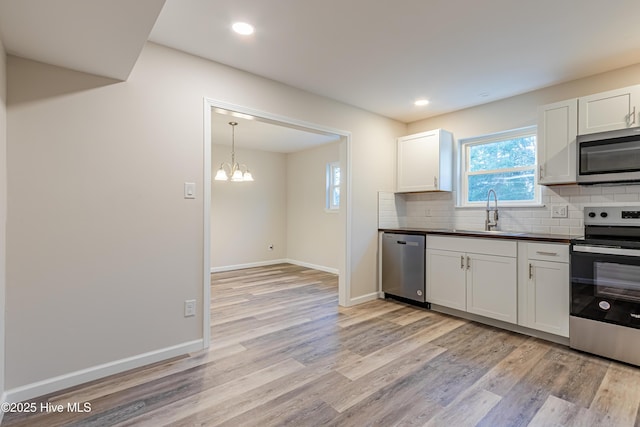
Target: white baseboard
x,y
247,265
273,262
362,299
314,266
82,376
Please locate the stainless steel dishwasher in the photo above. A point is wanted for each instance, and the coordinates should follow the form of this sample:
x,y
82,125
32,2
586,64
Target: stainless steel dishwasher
x,y
403,265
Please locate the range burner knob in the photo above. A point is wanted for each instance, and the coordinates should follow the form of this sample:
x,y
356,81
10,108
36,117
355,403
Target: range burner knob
x,y
592,214
604,214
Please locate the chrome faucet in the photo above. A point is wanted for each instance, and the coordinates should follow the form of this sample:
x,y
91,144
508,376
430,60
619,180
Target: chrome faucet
x,y
488,224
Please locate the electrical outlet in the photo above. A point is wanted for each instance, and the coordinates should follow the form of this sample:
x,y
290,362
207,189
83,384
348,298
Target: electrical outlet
x,y
559,211
189,308
270,247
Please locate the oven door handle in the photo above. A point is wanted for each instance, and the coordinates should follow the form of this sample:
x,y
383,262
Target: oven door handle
x,y
606,251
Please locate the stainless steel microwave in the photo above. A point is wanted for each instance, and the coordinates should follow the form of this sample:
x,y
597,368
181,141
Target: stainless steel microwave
x,y
612,156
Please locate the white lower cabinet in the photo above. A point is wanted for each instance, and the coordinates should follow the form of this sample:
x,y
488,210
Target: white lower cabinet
x,y
516,282
543,302
474,275
491,287
446,279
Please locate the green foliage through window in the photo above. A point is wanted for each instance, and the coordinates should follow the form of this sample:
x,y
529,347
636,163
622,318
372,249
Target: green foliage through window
x,y
505,162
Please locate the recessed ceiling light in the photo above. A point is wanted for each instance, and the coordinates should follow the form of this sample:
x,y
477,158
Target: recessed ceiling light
x,y
243,28
421,102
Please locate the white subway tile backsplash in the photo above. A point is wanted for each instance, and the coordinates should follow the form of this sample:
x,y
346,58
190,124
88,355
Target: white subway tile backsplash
x,y
540,229
633,189
589,190
437,210
603,199
565,191
617,189
559,230
580,199
630,197
541,213
573,213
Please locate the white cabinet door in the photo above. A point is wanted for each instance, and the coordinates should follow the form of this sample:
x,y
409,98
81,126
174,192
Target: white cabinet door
x,y
611,110
491,287
548,297
557,130
425,162
446,278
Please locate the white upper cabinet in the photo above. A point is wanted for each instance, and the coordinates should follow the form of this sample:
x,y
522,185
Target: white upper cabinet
x,y
557,131
611,110
425,162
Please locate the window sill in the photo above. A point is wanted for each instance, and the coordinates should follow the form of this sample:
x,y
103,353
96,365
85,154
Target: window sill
x,y
331,211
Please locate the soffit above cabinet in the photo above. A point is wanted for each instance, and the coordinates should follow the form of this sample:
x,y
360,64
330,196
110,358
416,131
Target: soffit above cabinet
x,y
103,38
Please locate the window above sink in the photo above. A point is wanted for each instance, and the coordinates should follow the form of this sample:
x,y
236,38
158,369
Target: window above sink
x,y
504,161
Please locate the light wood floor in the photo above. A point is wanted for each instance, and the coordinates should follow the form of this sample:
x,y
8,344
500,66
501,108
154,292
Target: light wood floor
x,y
284,353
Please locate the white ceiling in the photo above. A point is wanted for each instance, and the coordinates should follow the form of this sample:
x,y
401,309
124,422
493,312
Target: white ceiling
x,y
382,55
257,134
376,55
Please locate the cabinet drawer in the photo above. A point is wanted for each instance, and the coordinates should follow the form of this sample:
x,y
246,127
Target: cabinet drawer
x,y
476,245
548,252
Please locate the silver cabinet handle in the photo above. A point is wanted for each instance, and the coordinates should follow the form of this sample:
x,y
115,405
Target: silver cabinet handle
x,y
530,271
468,263
462,262
632,115
435,182
547,253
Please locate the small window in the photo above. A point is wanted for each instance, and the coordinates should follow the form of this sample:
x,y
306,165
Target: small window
x,y
333,186
504,161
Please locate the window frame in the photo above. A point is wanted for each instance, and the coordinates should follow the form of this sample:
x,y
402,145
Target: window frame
x,y
330,186
463,162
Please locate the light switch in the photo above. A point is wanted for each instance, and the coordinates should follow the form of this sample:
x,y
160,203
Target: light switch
x,y
189,190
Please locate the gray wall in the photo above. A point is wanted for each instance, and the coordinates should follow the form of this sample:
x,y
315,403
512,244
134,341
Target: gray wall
x,y
102,249
284,206
314,236
246,217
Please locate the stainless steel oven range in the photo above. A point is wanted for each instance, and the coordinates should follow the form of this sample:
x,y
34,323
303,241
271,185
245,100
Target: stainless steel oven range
x,y
605,284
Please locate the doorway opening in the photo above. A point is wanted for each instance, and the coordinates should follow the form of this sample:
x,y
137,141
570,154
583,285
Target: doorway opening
x,y
217,114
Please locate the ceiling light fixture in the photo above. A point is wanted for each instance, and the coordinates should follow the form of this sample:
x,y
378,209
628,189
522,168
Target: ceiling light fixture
x,y
235,170
421,102
243,28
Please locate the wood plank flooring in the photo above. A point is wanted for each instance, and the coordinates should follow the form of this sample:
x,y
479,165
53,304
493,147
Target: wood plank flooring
x,y
284,354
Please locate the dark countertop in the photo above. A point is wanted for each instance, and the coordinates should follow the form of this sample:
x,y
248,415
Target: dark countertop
x,y
512,235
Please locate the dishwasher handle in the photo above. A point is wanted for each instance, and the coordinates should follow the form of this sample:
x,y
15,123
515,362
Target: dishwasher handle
x,y
402,242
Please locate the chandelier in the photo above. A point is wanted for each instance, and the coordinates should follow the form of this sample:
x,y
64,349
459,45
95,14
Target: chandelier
x,y
237,172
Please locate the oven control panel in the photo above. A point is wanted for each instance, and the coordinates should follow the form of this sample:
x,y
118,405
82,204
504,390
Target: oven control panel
x,y
612,215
